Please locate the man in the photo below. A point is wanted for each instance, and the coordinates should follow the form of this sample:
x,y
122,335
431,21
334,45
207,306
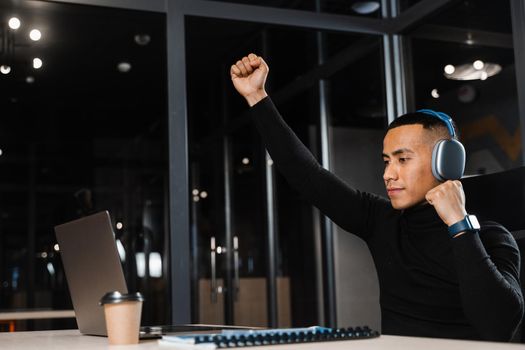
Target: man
x,y
459,285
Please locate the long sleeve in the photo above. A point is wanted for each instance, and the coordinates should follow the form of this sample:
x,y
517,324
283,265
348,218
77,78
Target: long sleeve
x,y
488,266
349,208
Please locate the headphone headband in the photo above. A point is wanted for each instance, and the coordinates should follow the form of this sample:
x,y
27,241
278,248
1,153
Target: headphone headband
x,y
443,117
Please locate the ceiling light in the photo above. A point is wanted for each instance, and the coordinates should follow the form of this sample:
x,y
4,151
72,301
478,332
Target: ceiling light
x,y
37,63
195,192
35,35
468,72
483,76
245,161
119,225
434,93
155,264
50,268
121,250
30,80
469,40
478,64
14,23
204,194
124,67
5,69
449,69
142,39
365,7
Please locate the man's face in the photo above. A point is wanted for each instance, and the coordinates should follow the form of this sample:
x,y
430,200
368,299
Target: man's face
x,y
407,153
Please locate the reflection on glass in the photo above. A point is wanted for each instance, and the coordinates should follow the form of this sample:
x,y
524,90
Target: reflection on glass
x,y
14,23
228,161
37,63
35,35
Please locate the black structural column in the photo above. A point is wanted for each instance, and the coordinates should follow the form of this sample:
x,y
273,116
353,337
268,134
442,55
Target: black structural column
x,y
179,207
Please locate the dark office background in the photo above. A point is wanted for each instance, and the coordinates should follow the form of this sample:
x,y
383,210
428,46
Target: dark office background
x,y
88,131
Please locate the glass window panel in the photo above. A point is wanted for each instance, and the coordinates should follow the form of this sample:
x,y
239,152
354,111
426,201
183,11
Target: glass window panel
x,y
86,132
221,120
483,15
223,141
484,108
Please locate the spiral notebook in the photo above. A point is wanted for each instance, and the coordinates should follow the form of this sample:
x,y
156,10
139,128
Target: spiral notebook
x,y
242,338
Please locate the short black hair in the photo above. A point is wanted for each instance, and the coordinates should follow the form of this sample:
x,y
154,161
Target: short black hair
x,y
427,121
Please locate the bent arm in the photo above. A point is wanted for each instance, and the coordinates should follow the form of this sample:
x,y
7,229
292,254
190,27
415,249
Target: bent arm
x,y
488,271
349,208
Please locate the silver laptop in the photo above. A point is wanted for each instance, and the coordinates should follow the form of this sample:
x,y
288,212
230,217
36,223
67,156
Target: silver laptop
x,y
92,266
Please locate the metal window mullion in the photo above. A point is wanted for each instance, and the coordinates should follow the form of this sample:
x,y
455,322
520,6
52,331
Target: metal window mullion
x,y
518,35
394,66
271,222
389,78
141,5
327,229
271,242
179,209
273,15
227,152
400,74
326,225
402,21
229,303
287,17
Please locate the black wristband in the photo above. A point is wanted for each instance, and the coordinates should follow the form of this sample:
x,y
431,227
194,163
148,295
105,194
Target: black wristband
x,y
469,223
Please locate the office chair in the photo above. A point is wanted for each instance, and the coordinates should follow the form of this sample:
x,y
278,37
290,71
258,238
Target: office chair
x,y
520,336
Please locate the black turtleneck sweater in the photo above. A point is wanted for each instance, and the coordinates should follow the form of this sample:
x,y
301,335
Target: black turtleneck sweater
x,y
430,284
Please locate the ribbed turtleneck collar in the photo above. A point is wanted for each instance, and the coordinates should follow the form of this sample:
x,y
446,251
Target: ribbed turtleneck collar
x,y
422,218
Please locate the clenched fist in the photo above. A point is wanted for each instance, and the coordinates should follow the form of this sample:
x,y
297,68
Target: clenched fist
x,y
449,201
249,76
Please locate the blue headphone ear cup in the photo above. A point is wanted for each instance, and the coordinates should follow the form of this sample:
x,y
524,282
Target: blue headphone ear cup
x,y
448,160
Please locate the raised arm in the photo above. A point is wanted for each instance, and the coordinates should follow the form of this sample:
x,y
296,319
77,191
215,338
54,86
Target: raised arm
x,y
349,208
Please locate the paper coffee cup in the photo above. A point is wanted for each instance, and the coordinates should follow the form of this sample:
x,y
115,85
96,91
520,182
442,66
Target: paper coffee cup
x,y
122,313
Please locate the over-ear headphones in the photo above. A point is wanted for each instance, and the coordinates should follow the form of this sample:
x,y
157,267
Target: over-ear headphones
x,y
448,156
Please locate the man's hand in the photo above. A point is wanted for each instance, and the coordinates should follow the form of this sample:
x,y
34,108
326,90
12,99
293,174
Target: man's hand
x,y
449,201
248,77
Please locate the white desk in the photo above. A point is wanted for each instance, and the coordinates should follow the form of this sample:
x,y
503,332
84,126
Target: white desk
x,y
35,315
10,318
72,339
